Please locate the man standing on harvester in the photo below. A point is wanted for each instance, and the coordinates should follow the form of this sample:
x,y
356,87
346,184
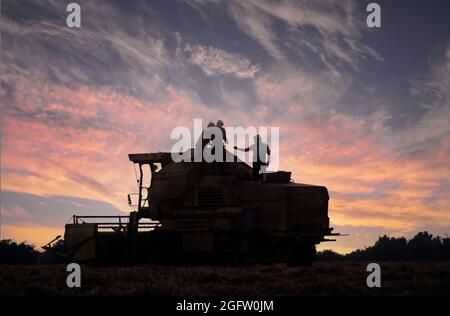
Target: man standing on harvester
x,y
261,156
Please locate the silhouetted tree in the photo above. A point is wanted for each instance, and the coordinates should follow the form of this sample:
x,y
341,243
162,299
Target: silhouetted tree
x,y
389,249
422,246
446,249
328,255
14,253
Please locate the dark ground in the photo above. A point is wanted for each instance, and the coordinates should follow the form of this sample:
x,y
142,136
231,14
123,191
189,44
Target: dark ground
x,y
323,278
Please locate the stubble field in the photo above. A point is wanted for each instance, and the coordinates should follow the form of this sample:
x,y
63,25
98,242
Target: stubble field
x,y
323,278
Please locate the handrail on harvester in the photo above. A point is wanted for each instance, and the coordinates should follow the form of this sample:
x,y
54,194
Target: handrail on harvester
x,y
122,221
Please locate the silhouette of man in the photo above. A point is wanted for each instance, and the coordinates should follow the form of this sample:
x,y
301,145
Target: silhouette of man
x,y
220,124
261,156
207,140
203,141
221,164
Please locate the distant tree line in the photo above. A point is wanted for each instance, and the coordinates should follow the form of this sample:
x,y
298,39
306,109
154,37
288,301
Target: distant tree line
x,y
422,247
12,252
17,253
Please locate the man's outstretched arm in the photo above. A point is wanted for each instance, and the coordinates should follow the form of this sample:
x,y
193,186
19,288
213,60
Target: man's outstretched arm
x,y
242,149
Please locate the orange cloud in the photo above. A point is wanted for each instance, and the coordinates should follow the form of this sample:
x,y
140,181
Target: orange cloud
x,y
38,235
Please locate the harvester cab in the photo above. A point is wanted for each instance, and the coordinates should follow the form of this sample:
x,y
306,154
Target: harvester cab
x,y
146,166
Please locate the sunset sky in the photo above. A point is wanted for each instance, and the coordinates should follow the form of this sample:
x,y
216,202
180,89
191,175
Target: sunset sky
x,y
363,111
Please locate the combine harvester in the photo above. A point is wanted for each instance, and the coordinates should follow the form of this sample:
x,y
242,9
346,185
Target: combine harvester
x,y
189,212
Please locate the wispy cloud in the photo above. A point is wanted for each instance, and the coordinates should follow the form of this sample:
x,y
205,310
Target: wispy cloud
x,y
215,61
328,29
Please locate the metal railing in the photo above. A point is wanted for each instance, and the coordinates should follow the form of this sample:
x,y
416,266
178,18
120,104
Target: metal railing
x,y
106,222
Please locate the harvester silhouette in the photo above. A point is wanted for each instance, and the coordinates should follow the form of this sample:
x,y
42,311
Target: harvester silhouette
x,y
190,213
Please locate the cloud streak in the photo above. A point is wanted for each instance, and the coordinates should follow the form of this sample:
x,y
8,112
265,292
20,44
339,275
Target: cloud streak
x,y
215,61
